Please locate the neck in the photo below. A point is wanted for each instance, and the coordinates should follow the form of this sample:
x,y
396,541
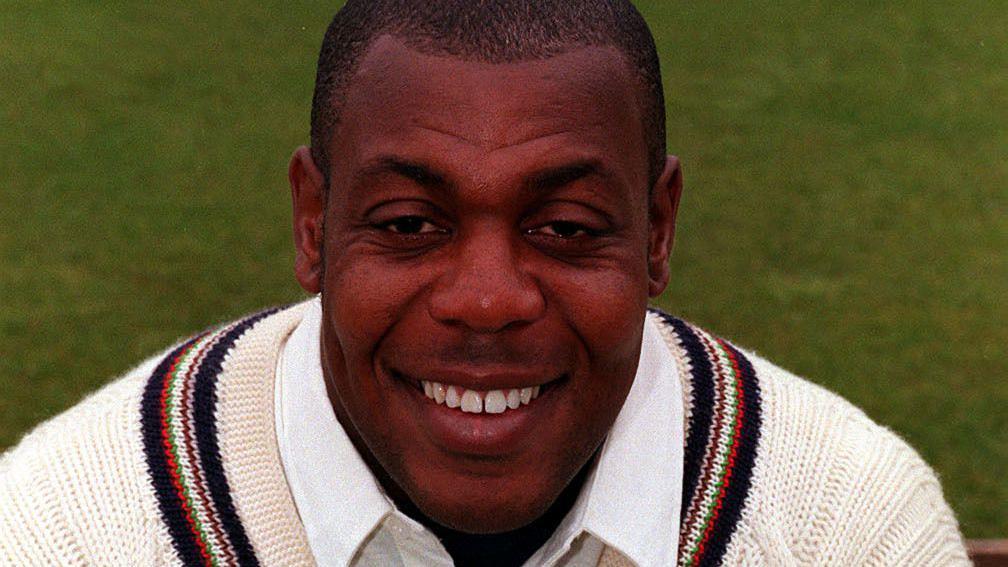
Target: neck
x,y
506,549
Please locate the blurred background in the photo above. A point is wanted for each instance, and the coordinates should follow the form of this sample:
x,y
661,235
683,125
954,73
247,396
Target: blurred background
x,y
846,169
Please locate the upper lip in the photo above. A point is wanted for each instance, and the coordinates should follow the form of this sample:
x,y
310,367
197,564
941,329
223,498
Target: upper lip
x,y
483,379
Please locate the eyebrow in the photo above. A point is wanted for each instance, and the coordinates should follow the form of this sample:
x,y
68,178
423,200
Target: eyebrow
x,y
556,177
543,180
417,172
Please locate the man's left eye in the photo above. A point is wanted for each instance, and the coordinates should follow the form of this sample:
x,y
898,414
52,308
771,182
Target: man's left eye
x,y
410,225
563,229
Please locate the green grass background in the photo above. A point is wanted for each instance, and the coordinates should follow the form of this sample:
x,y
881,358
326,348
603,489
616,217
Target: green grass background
x,y
845,212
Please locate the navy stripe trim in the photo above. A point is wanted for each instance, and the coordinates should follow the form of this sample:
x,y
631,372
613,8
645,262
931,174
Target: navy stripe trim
x,y
151,418
702,411
205,420
697,438
745,458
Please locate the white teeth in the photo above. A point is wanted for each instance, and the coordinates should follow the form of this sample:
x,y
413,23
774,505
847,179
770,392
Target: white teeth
x,y
474,401
526,395
513,398
452,400
471,402
494,402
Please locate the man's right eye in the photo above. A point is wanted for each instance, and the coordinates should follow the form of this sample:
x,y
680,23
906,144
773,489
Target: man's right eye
x,y
410,225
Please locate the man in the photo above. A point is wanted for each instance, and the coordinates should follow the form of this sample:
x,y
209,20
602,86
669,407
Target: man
x,y
484,211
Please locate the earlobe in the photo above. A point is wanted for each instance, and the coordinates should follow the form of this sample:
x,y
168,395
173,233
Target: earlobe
x,y
307,195
663,209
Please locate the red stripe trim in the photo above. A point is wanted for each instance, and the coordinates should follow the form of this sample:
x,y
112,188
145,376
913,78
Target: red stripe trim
x,y
736,430
199,481
162,435
170,457
712,443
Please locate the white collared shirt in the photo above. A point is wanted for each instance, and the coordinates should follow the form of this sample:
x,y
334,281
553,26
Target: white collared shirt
x,y
630,501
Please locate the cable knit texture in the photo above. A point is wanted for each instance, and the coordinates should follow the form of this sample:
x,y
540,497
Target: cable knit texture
x,y
177,463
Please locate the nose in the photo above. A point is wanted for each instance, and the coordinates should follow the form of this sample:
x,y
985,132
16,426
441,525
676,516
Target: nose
x,y
485,287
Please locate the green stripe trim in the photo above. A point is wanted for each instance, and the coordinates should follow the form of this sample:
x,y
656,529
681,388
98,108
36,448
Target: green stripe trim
x,y
173,432
711,504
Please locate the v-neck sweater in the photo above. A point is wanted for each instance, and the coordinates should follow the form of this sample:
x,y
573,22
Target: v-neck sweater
x,y
177,463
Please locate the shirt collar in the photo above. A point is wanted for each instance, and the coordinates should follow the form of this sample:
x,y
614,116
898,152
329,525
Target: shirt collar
x,y
635,498
630,501
337,497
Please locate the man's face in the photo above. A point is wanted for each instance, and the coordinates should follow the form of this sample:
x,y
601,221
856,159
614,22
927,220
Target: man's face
x,y
487,229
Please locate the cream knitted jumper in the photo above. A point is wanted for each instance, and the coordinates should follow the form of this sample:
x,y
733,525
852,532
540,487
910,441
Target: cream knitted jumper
x,y
177,463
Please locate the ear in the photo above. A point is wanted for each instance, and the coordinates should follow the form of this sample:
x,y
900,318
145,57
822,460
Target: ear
x,y
664,206
308,199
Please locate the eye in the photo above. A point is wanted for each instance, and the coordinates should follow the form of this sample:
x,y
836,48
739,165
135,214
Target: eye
x,y
410,225
563,229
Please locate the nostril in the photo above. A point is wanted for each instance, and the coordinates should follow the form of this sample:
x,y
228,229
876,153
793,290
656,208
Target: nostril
x,y
487,312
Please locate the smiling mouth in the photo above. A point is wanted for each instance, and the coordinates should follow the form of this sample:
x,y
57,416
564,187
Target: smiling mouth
x,y
474,401
477,401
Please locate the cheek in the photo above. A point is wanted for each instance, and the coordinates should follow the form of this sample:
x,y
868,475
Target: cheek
x,y
603,306
361,302
605,309
365,298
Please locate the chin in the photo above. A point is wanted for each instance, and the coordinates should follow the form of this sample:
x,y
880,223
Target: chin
x,y
478,511
485,519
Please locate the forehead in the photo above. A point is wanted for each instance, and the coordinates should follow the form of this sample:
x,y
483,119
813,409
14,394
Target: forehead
x,y
583,100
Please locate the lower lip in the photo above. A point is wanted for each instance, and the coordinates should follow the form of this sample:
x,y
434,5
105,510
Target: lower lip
x,y
480,434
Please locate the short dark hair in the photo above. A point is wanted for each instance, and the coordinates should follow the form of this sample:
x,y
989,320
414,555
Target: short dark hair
x,y
491,31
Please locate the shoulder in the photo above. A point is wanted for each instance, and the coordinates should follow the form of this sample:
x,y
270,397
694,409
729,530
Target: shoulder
x,y
79,486
822,483
78,475
833,486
